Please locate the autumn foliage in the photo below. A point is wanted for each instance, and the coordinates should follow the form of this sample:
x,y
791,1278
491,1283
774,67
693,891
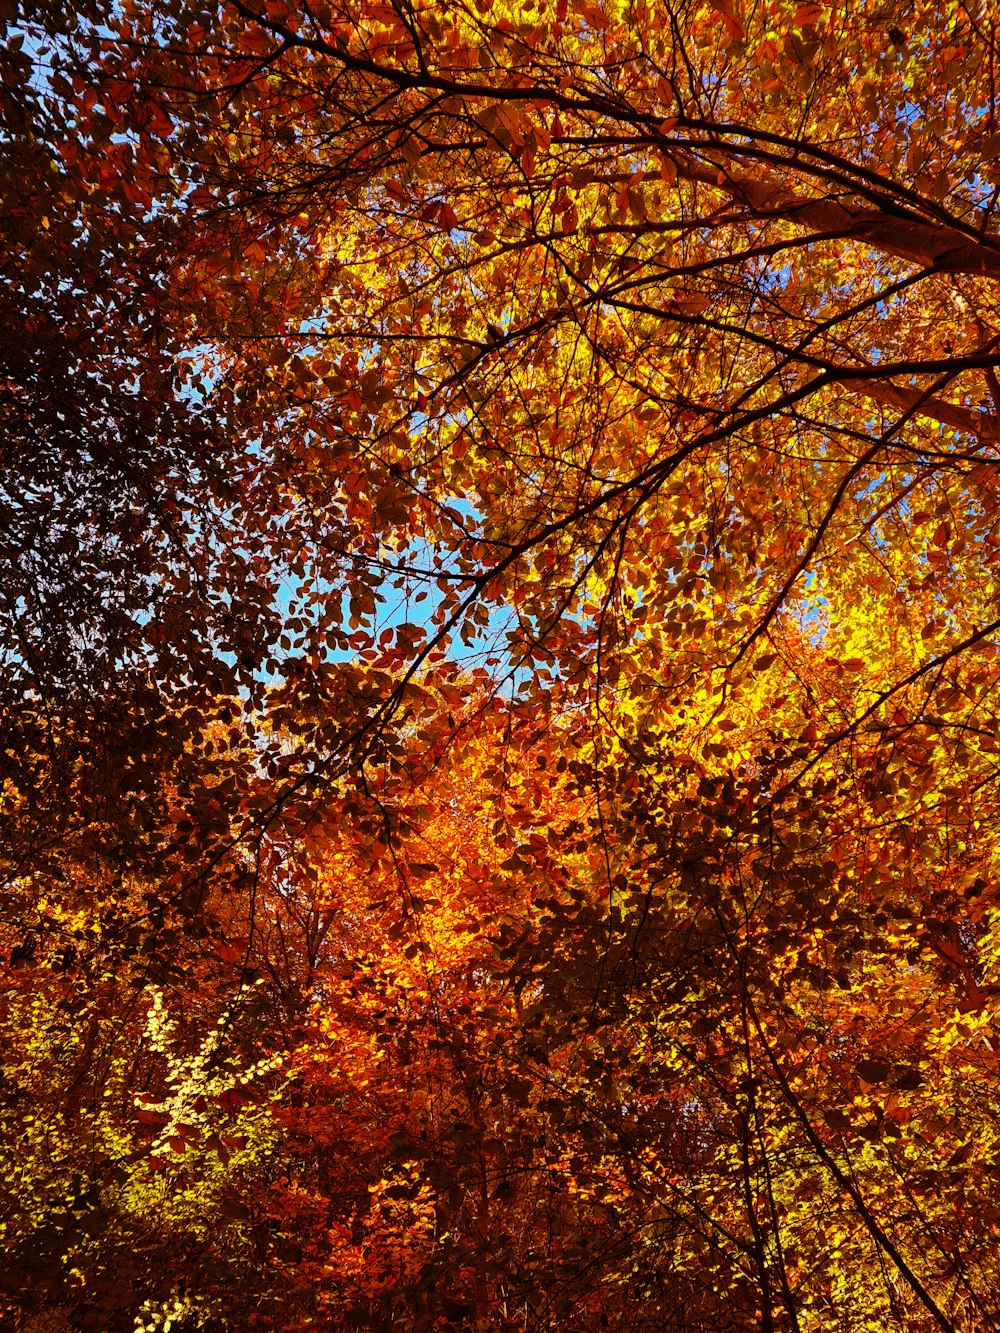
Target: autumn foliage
x,y
500,707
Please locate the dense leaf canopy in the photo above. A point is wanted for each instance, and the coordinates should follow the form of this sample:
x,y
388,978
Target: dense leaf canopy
x,y
500,703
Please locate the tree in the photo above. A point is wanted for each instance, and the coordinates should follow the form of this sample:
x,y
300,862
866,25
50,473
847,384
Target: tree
x,y
599,399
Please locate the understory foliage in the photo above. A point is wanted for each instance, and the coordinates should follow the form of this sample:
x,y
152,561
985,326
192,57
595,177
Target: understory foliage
x,y
500,694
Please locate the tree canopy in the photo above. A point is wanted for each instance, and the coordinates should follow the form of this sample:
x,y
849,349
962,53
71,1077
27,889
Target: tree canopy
x,y
501,665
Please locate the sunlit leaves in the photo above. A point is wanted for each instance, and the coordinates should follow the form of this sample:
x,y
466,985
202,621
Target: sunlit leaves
x,y
501,608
